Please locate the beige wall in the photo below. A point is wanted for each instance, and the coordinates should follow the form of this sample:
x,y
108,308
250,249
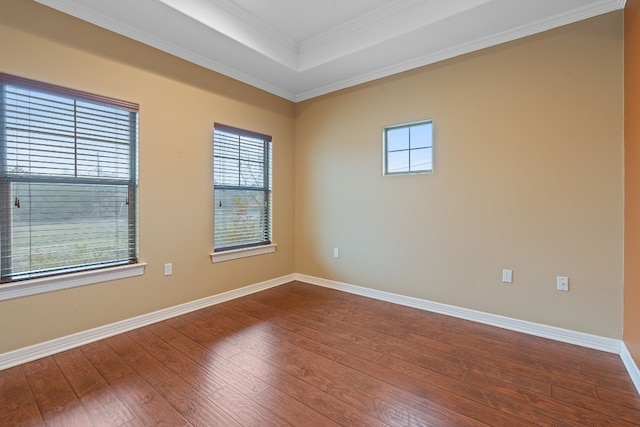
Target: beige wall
x,y
179,102
528,176
632,180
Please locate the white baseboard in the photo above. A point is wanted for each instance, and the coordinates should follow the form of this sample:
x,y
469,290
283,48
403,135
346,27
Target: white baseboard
x,y
631,366
558,334
37,351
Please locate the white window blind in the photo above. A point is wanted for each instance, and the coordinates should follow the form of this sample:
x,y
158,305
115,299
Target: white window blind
x,y
242,188
68,172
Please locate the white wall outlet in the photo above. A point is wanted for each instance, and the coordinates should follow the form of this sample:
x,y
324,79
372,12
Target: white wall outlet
x,y
336,253
168,269
507,276
562,283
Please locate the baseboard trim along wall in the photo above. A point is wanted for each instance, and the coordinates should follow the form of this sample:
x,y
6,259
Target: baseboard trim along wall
x,y
631,366
37,351
558,334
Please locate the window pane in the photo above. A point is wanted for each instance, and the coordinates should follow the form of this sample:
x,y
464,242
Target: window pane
x,y
251,174
100,160
225,171
240,218
252,150
55,136
421,160
421,135
67,225
104,138
397,139
39,131
398,161
32,154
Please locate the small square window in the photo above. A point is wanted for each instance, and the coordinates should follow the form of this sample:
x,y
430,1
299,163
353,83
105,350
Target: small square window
x,y
408,148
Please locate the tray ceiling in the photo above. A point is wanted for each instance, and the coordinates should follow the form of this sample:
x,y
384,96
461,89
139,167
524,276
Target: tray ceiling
x,y
299,49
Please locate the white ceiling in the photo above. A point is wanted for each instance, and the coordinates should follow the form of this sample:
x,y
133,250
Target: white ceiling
x,y
299,49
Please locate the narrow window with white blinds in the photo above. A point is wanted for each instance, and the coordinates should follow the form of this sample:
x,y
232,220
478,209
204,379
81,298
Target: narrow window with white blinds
x,y
242,188
68,180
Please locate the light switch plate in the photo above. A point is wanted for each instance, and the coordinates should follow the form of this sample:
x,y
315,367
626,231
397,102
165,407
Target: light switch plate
x,y
507,276
562,283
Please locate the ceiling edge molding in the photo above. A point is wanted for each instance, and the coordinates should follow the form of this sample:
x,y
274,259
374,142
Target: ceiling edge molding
x,y
160,44
378,27
219,68
506,36
236,24
260,25
356,24
72,8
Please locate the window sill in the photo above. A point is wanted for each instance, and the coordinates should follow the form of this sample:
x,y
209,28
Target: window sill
x,y
242,253
66,281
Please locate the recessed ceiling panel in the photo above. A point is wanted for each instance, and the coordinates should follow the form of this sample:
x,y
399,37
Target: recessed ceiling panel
x,y
302,20
298,49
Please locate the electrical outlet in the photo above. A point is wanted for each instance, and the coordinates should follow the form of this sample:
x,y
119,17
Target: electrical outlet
x,y
562,283
336,253
168,269
507,276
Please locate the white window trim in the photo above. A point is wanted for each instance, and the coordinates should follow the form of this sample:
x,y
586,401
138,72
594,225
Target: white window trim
x,y
71,280
242,253
384,150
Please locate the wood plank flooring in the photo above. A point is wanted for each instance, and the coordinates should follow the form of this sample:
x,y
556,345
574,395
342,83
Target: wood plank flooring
x,y
301,355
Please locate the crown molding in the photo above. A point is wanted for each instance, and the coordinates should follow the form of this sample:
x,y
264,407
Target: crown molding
x,y
269,31
367,20
536,27
261,56
359,33
237,24
71,7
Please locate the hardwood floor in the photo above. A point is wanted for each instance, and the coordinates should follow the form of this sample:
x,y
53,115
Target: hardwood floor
x,y
307,356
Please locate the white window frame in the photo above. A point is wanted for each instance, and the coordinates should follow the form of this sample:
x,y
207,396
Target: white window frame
x,y
408,150
243,250
43,285
75,276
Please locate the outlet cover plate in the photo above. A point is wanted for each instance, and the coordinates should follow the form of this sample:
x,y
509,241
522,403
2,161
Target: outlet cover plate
x,y
562,283
507,276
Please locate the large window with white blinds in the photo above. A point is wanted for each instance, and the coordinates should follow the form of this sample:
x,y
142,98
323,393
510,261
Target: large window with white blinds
x,y
68,180
242,188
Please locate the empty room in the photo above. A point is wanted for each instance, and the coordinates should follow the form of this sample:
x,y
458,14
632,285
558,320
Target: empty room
x,y
319,213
